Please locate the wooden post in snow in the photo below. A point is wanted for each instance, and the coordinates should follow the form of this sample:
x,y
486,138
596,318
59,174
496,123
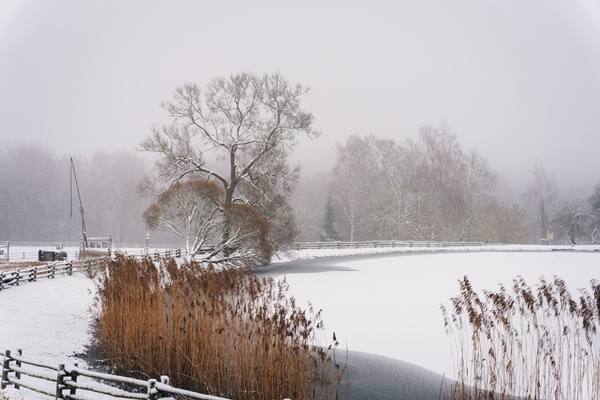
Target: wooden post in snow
x,y
5,369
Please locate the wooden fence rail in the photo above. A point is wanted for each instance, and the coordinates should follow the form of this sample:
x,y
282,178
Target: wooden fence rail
x,y
72,382
379,243
15,277
33,273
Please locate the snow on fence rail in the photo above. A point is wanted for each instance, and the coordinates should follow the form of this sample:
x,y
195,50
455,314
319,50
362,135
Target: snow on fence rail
x,y
379,243
72,382
18,276
31,274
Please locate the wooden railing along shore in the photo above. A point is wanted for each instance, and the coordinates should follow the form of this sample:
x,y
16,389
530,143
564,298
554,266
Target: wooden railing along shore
x,y
71,382
379,243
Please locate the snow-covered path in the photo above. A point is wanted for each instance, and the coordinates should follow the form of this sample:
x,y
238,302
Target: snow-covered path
x,y
47,319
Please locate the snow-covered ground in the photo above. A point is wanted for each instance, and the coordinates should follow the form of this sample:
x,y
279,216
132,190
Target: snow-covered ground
x,y
388,306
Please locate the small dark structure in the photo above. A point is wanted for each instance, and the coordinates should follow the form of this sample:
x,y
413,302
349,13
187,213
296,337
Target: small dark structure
x,y
50,255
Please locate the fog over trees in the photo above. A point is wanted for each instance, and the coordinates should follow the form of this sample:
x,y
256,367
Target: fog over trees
x,y
431,188
425,188
36,203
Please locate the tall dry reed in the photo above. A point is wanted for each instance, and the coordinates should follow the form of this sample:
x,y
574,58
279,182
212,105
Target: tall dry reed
x,y
225,333
541,343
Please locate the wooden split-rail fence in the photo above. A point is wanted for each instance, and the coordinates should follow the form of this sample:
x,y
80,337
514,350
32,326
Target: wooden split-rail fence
x,y
71,382
378,244
31,274
16,277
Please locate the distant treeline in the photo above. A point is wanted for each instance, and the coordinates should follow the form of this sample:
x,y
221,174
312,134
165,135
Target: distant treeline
x,y
39,202
433,189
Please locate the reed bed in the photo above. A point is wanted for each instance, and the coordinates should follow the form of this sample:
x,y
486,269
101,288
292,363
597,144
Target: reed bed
x,y
525,343
224,333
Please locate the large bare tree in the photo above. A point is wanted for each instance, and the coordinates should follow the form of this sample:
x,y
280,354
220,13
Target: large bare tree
x,y
238,132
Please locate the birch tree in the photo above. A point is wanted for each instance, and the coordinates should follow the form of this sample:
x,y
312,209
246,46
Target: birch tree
x,y
354,177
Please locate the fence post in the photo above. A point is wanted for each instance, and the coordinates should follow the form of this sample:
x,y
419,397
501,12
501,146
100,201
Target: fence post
x,y
17,373
1,280
53,269
17,277
178,253
73,376
152,391
5,369
70,268
60,381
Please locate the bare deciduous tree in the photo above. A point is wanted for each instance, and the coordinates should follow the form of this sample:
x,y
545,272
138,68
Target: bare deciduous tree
x,y
353,178
241,120
238,132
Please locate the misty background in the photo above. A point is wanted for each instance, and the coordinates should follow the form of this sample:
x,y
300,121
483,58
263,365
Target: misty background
x,y
518,82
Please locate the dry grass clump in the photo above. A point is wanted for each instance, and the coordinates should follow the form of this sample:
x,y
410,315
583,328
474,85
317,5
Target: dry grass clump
x,y
540,343
218,332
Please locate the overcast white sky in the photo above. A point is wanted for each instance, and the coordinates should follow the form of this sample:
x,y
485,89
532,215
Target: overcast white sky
x,y
518,80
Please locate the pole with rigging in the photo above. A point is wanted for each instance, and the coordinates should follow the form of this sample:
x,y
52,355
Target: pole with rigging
x,y
83,230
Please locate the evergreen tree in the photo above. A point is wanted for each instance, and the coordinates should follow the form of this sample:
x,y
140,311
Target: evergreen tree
x,y
329,234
